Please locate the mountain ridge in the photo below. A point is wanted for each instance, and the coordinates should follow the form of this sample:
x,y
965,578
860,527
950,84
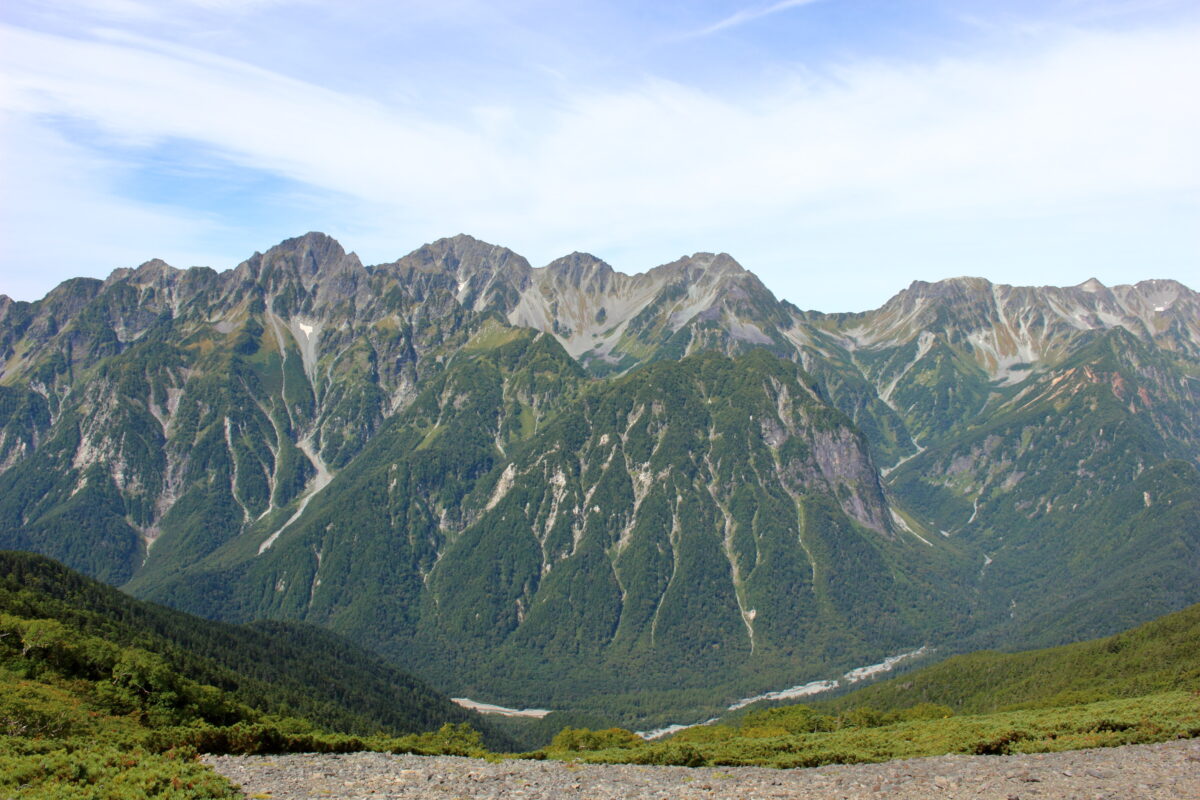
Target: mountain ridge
x,y
305,436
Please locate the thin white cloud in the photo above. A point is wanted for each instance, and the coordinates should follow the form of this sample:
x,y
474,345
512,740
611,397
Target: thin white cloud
x,y
142,10
745,15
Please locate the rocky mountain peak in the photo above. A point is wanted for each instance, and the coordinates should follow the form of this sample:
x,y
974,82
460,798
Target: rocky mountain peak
x,y
703,266
465,257
1159,293
155,272
582,270
149,272
313,255
304,258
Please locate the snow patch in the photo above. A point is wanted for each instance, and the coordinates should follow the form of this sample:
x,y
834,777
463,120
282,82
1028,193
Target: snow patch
x,y
307,335
925,343
975,510
887,470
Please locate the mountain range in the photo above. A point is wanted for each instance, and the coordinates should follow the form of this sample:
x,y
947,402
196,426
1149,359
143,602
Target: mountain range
x,y
578,489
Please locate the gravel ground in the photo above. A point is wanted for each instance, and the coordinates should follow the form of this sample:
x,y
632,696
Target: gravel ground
x,y
1155,772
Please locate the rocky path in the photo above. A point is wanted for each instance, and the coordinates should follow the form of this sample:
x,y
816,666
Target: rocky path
x,y
1167,771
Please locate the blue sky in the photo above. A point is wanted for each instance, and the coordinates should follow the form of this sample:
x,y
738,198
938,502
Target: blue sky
x,y
837,148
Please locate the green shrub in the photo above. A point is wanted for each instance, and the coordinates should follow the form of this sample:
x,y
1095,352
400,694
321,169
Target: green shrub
x,y
676,754
999,745
581,739
88,769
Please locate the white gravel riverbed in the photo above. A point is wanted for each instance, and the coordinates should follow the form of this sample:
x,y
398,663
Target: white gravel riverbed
x,y
1169,771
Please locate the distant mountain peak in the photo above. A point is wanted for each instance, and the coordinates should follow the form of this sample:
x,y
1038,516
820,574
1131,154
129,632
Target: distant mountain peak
x,y
463,256
579,268
153,271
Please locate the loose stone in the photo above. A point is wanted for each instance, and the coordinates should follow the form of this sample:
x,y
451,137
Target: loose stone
x,y
1165,771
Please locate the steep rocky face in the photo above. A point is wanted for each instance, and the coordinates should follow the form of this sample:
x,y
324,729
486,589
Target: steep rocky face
x,y
945,357
607,320
1037,412
195,403
1111,419
928,363
517,479
473,274
1011,325
708,520
611,321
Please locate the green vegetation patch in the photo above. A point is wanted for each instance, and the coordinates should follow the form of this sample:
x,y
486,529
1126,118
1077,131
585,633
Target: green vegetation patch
x,y
801,737
74,768
1158,656
97,700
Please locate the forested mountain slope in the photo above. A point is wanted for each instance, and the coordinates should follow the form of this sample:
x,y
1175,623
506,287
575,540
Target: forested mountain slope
x,y
524,482
282,669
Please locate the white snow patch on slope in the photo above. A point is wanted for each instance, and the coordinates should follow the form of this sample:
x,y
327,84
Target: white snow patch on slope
x,y
307,336
887,470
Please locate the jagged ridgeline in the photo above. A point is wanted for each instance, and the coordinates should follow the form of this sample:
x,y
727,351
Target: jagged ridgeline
x,y
570,487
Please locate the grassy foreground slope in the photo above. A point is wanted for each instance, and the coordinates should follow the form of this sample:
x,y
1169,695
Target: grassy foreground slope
x,y
1160,655
803,738
1139,686
105,696
277,668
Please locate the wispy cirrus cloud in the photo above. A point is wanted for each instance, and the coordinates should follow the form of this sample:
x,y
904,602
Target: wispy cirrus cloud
x,y
748,14
159,9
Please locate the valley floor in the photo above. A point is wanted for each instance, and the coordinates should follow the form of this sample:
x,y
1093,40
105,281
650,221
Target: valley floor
x,y
1155,772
